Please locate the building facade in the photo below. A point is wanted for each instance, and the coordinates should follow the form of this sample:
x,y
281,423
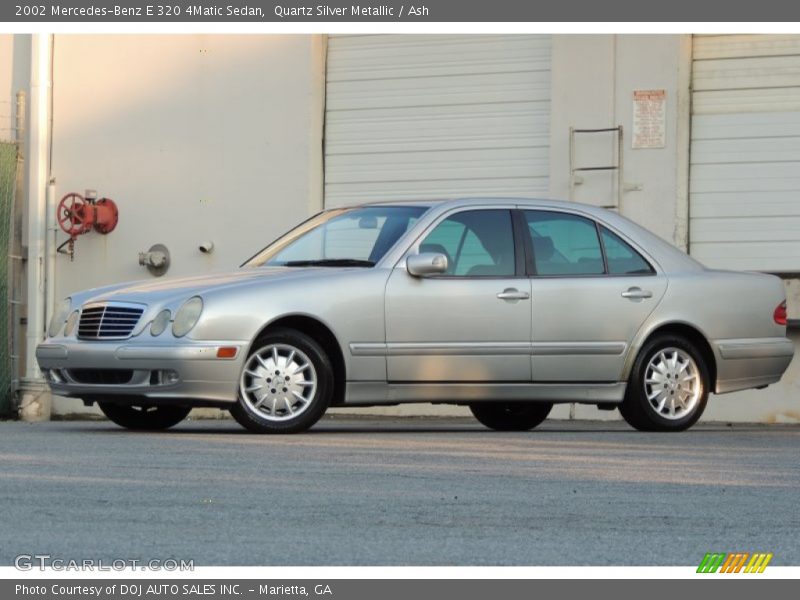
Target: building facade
x,y
234,139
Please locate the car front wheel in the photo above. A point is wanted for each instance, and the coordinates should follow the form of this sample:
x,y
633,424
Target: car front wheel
x,y
668,387
286,384
144,417
511,416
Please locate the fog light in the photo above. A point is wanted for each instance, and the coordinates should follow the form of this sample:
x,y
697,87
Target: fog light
x,y
164,377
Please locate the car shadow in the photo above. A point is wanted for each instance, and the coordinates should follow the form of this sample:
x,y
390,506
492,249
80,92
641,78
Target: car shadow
x,y
363,426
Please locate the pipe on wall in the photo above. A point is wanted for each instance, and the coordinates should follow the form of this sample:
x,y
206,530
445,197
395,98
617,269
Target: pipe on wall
x,y
50,252
683,143
38,172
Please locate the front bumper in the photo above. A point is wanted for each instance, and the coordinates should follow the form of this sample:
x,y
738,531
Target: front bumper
x,y
187,371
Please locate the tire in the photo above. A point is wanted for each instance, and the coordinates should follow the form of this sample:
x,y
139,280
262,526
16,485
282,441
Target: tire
x,y
511,416
286,384
143,418
668,387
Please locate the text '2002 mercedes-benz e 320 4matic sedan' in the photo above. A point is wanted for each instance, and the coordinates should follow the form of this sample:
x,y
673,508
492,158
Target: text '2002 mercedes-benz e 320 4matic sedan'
x,y
506,306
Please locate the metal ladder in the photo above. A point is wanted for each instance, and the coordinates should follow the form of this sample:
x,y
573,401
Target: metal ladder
x,y
576,179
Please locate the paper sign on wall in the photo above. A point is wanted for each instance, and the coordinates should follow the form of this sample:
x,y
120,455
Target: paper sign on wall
x,y
649,119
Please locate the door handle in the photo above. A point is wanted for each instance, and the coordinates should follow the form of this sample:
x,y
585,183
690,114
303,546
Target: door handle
x,y
636,293
513,294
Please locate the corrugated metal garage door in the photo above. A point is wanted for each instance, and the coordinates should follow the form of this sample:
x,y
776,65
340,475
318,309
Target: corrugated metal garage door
x,y
418,116
745,153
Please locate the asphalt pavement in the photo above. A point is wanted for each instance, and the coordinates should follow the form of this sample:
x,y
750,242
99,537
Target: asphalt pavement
x,y
399,491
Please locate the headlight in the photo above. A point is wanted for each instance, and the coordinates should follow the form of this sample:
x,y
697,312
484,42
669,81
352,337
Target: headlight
x,y
160,323
187,316
59,315
71,322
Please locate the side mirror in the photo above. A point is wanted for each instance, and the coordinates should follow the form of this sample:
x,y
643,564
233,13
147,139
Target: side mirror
x,y
427,263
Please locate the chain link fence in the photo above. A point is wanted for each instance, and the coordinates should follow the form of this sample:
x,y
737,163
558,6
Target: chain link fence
x,y
8,171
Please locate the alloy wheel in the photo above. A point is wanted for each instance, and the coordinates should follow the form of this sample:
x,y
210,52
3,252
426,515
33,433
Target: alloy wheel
x,y
672,383
278,382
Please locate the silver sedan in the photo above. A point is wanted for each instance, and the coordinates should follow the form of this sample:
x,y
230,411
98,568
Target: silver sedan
x,y
504,305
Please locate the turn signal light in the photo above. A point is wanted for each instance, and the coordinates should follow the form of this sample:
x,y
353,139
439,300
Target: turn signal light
x,y
780,313
226,352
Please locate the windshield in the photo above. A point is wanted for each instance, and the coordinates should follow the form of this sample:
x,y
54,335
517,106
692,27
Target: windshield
x,y
340,237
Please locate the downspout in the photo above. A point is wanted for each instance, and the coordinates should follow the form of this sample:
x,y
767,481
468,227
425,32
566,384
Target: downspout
x,y
35,402
683,137
50,248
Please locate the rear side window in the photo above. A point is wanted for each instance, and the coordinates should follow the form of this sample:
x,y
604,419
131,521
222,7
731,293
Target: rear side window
x,y
564,244
621,258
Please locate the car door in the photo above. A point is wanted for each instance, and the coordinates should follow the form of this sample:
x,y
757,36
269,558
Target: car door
x,y
591,292
471,323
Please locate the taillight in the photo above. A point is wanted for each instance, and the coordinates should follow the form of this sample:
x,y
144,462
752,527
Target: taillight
x,y
780,313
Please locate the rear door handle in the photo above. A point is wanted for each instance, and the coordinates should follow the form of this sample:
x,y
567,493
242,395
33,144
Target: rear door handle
x,y
513,294
636,293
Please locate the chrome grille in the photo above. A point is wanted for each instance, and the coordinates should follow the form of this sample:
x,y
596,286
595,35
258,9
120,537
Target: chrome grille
x,y
109,320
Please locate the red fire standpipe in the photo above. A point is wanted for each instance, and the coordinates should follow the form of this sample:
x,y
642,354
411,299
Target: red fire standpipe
x,y
77,215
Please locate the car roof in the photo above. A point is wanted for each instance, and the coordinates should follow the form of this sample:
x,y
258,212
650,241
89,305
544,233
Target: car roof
x,y
483,201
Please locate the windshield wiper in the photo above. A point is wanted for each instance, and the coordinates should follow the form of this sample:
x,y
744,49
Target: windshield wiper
x,y
330,262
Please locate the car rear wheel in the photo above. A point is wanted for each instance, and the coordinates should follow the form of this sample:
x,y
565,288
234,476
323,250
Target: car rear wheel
x,y
286,384
668,388
144,417
511,416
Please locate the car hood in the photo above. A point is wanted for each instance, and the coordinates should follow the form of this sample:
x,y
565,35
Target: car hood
x,y
163,290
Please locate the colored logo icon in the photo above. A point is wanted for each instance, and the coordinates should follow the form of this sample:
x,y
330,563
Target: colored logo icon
x,y
734,562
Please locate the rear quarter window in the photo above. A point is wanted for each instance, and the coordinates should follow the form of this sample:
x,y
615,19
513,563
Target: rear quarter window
x,y
621,257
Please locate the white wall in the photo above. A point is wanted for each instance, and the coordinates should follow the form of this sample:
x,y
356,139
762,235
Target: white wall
x,y
15,61
194,137
594,77
582,97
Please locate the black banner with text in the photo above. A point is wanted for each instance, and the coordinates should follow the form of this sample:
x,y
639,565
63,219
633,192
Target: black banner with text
x,y
389,589
393,11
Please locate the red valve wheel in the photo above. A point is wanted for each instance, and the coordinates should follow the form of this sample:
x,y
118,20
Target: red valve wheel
x,y
74,215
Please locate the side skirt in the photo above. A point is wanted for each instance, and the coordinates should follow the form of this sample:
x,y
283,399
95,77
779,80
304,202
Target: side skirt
x,y
368,393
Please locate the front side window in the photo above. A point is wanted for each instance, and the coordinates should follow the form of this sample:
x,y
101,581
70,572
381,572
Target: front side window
x,y
564,244
477,243
621,258
343,237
